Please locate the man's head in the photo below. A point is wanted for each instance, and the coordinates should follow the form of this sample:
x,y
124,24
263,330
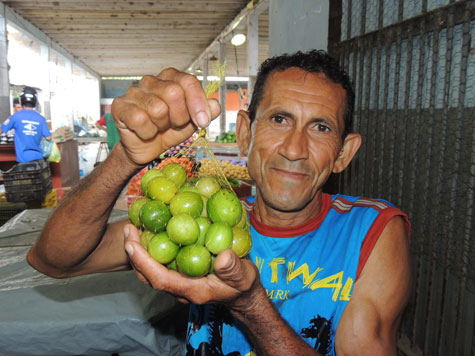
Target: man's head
x,y
28,97
296,132
16,105
315,61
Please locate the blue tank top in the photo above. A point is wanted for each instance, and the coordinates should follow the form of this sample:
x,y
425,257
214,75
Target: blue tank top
x,y
308,272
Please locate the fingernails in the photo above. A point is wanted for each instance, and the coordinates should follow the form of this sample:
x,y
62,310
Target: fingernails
x,y
130,249
126,231
202,119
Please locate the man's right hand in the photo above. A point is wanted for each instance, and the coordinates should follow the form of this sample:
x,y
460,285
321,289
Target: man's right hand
x,y
161,112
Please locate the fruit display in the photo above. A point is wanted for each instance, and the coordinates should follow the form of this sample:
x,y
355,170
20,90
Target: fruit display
x,y
173,151
230,168
226,137
185,223
186,162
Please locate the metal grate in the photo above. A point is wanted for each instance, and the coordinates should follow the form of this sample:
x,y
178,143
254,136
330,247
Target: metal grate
x,y
413,66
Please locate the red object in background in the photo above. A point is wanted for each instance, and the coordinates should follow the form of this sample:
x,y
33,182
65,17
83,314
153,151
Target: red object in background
x,y
232,100
245,190
183,161
132,198
134,187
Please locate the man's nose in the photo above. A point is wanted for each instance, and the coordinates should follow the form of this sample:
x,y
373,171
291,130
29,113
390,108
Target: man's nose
x,y
295,146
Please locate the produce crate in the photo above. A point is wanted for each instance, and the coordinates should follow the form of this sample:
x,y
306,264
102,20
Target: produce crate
x,y
27,181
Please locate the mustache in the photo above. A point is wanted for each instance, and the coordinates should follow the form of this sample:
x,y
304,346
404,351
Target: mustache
x,y
299,166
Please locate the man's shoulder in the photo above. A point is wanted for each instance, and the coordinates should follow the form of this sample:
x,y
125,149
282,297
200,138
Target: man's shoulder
x,y
345,203
24,114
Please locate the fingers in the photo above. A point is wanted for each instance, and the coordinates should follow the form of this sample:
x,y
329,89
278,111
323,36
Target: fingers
x,y
164,98
214,107
132,234
170,99
195,98
132,116
237,273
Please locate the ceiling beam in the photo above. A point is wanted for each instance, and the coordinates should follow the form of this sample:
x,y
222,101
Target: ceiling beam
x,y
254,6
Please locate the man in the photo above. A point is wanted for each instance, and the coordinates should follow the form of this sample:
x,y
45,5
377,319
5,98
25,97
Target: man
x,y
16,105
29,127
327,274
106,123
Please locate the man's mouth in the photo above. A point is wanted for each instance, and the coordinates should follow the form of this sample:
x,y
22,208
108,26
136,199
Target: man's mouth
x,y
285,173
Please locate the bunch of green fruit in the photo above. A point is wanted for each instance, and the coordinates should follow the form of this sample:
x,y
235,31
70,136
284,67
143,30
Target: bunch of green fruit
x,y
186,224
226,137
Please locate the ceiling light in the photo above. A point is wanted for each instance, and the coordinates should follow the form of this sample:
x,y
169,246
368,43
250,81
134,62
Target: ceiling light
x,y
238,39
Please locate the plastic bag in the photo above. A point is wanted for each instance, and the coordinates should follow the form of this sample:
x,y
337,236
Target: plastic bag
x,y
46,147
55,154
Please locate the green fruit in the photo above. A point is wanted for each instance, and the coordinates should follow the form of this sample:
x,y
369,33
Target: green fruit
x,y
162,249
219,237
155,215
145,238
134,211
204,224
152,173
183,229
172,265
204,212
188,188
207,186
211,269
224,206
187,203
243,223
193,260
242,242
176,173
161,188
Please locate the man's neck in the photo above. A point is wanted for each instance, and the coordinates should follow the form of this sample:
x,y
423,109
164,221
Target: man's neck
x,y
273,217
28,108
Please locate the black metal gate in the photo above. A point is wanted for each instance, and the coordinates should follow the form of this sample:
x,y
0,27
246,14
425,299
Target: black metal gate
x,y
413,65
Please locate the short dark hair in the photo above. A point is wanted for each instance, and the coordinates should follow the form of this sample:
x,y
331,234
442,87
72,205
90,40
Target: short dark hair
x,y
314,61
16,101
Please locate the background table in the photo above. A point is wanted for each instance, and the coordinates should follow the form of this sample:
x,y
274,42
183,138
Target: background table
x,y
102,314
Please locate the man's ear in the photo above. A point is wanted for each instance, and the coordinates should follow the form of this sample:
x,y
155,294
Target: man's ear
x,y
243,131
350,147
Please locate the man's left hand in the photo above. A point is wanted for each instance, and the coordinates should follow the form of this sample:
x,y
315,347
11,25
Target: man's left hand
x,y
231,284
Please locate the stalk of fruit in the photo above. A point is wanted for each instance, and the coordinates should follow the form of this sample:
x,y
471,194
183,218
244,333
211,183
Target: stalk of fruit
x,y
185,223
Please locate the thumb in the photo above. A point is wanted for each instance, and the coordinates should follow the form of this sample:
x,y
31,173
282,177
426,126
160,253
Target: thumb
x,y
237,273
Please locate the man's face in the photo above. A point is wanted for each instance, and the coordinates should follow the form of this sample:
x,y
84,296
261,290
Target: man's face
x,y
296,138
16,108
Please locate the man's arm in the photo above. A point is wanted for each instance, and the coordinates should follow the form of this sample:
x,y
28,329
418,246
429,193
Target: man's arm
x,y
159,113
370,322
76,238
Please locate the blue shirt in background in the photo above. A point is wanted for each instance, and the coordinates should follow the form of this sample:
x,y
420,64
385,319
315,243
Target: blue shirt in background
x,y
29,127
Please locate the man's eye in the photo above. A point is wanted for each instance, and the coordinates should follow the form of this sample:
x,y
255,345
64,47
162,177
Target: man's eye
x,y
278,119
322,128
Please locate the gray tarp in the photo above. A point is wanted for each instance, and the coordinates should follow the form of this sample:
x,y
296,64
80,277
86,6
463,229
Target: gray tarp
x,y
98,314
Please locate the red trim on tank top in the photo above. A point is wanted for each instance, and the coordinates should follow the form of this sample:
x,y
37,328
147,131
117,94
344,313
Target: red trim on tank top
x,y
293,231
375,232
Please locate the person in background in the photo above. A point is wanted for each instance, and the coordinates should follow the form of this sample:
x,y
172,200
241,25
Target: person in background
x,y
30,127
327,274
16,105
106,123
